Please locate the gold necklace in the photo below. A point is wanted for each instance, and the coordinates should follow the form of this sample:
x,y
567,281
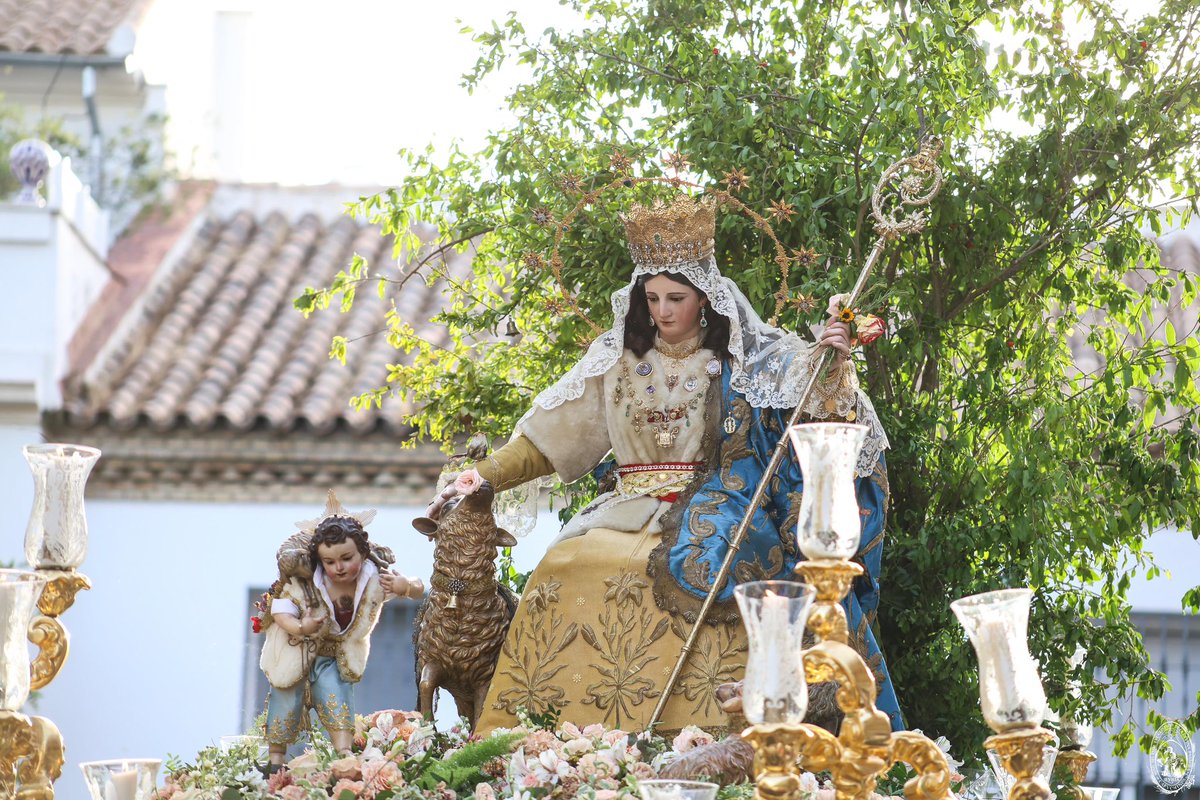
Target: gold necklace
x,y
675,357
680,350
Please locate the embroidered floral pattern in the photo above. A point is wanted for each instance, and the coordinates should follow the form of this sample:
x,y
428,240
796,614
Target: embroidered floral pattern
x,y
622,639
717,658
283,731
335,716
533,649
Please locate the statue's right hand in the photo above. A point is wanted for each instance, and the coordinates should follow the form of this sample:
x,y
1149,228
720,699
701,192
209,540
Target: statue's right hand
x,y
466,483
434,509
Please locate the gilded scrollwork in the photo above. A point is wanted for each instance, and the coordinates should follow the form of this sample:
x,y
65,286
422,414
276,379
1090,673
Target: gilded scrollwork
x,y
1021,753
43,764
932,780
52,642
334,714
16,742
59,592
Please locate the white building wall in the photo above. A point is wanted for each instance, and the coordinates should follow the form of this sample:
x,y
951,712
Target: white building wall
x,y
52,268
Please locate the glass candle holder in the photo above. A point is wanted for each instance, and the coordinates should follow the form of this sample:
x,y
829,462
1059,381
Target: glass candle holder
x,y
666,789
517,508
1010,690
775,614
1076,733
829,525
19,591
122,779
56,537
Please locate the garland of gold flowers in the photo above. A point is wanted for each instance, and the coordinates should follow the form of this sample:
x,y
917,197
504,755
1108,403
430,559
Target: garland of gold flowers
x,y
735,180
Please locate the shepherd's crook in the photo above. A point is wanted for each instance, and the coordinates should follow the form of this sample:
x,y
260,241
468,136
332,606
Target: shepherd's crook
x,y
906,213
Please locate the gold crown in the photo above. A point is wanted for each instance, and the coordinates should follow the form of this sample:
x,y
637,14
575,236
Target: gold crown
x,y
671,234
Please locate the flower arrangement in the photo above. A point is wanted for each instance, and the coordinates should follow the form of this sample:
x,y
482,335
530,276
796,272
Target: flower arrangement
x,y
398,755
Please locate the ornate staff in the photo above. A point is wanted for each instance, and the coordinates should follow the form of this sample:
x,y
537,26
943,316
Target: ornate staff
x,y
905,213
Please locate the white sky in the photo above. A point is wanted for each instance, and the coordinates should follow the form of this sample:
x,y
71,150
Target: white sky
x,y
314,91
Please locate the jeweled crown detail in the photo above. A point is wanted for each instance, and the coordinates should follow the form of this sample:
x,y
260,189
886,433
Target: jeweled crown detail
x,y
663,235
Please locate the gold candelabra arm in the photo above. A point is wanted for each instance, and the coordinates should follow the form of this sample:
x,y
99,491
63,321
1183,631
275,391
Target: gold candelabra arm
x,y
776,749
16,742
832,579
867,725
1076,761
60,590
932,780
52,642
44,762
1020,753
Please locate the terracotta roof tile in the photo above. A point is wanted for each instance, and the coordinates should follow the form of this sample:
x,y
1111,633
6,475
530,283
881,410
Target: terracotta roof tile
x,y
215,343
78,27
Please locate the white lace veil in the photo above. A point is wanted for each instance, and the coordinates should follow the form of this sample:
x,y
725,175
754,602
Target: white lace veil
x,y
769,366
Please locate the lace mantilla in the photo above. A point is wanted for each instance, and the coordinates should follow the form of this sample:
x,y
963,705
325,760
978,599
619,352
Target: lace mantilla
x,y
769,366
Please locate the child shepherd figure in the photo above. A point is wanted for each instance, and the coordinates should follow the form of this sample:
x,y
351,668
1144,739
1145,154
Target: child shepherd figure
x,y
332,587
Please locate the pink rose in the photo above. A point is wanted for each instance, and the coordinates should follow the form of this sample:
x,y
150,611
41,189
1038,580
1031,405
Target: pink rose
x,y
869,328
303,764
606,794
293,792
279,780
346,768
468,482
577,747
381,774
690,738
484,791
354,787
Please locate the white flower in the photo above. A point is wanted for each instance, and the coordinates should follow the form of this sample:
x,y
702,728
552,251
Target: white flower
x,y
809,783
944,745
253,778
420,740
517,768
384,731
577,747
550,767
371,753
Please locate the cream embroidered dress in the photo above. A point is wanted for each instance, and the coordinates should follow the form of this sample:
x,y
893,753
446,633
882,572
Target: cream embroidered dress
x,y
588,637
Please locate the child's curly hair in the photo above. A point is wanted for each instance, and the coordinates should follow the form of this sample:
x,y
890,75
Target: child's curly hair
x,y
335,530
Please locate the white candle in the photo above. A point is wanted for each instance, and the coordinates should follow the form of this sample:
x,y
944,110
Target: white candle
x,y
124,785
994,648
775,632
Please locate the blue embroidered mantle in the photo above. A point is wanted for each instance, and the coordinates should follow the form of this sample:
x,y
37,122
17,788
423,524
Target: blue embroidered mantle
x,y
697,531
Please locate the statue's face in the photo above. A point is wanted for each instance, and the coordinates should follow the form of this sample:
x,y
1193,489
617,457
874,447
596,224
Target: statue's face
x,y
674,307
341,562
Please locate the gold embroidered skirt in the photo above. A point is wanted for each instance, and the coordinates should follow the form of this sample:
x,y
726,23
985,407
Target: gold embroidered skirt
x,y
589,640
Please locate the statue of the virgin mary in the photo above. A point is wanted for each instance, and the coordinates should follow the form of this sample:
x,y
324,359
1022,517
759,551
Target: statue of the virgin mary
x,y
679,405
